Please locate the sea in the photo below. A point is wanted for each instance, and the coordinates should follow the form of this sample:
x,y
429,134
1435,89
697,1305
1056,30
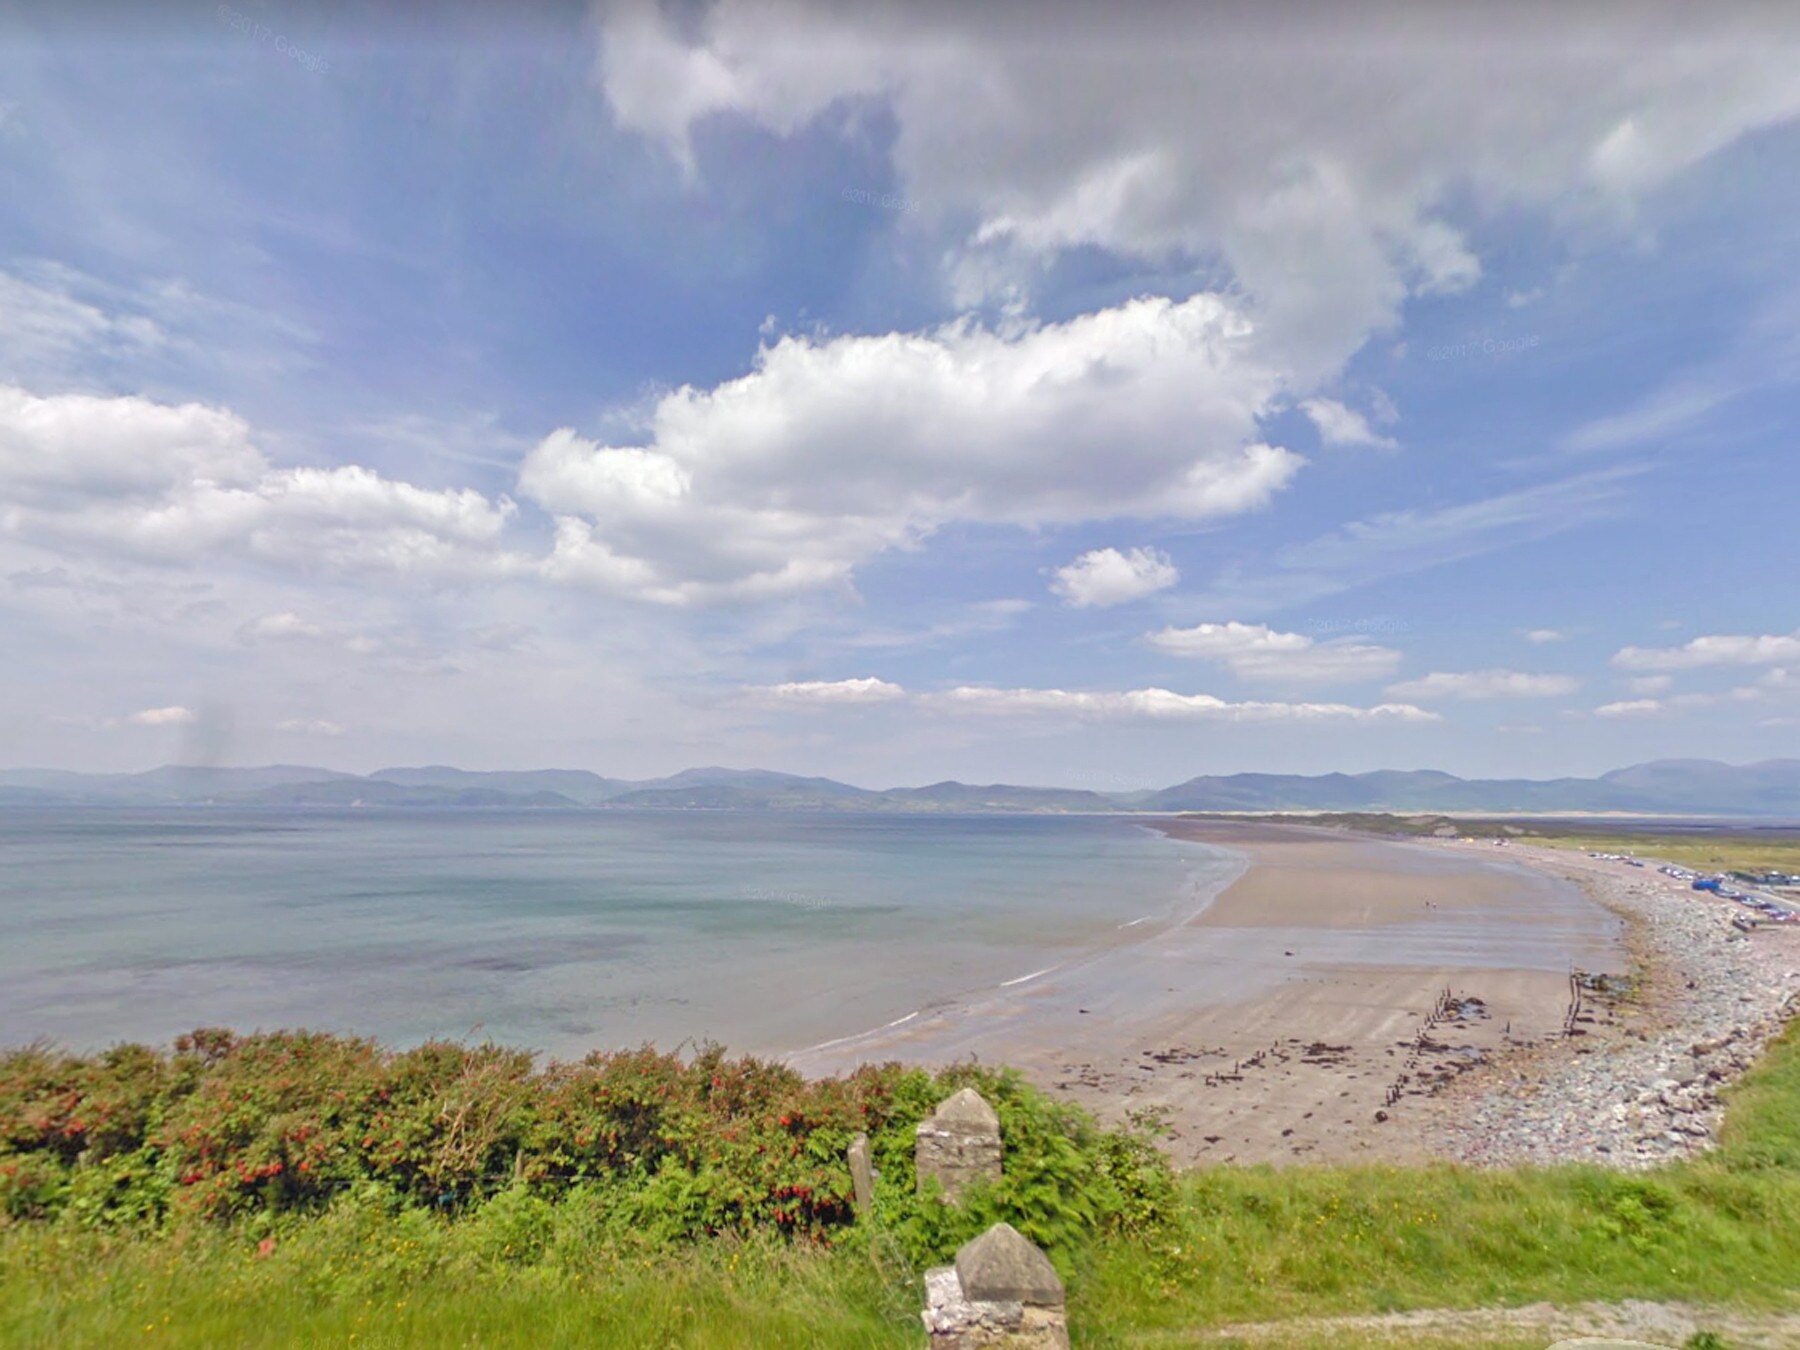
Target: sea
x,y
559,931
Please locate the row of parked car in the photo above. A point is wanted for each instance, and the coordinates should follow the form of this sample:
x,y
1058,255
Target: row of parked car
x,y
1771,909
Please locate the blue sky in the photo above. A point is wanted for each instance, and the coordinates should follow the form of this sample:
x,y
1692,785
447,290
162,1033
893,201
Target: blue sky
x,y
1031,395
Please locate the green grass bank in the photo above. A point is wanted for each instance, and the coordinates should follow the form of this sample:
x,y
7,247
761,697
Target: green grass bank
x,y
624,1254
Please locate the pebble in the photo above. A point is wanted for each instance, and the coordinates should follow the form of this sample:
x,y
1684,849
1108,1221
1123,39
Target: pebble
x,y
1653,1094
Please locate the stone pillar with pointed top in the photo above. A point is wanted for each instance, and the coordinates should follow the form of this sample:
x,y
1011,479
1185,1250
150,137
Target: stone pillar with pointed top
x,y
1002,1294
959,1144
862,1174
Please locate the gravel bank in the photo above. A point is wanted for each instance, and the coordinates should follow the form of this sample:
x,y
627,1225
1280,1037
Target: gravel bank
x,y
1640,1084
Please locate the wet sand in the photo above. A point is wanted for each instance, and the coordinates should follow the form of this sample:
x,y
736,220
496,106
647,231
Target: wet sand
x,y
1309,1012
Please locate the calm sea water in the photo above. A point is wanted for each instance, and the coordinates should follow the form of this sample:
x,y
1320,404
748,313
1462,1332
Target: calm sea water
x,y
562,931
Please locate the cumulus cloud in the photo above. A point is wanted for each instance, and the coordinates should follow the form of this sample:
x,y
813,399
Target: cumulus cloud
x,y
1158,704
1327,203
72,449
1543,635
1649,684
834,449
131,477
1719,650
173,716
1770,685
1096,705
1483,684
833,692
1105,576
1340,425
1255,651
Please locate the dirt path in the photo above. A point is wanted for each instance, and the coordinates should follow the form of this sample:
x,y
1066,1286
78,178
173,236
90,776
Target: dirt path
x,y
1654,1324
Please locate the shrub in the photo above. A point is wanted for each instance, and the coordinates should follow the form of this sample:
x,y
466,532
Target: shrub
x,y
652,1149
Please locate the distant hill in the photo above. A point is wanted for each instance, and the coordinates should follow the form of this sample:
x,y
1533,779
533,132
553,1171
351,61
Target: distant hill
x,y
1002,797
1693,787
380,792
171,783
716,789
578,786
1661,787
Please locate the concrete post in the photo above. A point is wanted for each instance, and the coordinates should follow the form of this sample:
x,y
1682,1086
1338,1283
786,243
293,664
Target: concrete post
x,y
1002,1294
959,1144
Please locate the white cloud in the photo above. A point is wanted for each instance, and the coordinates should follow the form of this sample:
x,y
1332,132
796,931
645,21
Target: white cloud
x,y
1326,202
1256,651
835,449
173,716
302,726
1666,412
1649,684
1779,680
72,448
128,476
833,692
1543,635
1770,685
1396,543
1105,576
1340,425
1718,650
1636,707
1484,684
284,625
1125,705
1163,704
46,327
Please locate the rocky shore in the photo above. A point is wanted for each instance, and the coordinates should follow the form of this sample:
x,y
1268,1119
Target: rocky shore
x,y
1639,1081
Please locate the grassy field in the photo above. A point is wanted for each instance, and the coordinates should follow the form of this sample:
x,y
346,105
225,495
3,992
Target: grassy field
x,y
1240,1244
1707,850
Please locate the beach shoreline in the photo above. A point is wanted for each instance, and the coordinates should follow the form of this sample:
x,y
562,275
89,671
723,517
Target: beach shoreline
x,y
1313,1009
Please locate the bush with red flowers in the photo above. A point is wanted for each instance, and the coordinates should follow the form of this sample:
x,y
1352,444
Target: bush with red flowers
x,y
673,1148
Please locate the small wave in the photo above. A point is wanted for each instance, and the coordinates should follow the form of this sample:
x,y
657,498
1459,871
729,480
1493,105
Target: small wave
x,y
1135,922
859,1036
1008,984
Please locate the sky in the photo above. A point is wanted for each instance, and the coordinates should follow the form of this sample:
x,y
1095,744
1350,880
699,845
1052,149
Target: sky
x,y
1095,396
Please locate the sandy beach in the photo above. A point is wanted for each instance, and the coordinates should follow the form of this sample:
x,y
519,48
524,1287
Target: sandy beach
x,y
1314,1010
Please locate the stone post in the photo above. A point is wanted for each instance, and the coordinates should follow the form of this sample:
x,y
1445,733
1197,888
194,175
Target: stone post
x,y
862,1175
959,1144
1002,1294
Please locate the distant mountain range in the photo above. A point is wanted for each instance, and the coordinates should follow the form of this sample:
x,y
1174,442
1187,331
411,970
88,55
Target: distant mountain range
x,y
1662,787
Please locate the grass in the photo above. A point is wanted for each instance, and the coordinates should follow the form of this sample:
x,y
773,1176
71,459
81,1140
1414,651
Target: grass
x,y
1764,851
1703,849
355,1283
1242,1244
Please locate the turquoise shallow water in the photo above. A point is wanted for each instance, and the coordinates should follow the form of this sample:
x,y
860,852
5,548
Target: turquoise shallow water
x,y
561,931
